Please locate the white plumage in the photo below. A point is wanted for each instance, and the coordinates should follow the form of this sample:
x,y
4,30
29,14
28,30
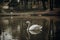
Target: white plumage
x,y
35,29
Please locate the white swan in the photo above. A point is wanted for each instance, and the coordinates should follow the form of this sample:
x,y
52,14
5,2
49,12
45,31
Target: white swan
x,y
34,29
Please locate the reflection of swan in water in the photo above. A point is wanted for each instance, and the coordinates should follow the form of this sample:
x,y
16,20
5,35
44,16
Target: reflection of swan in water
x,y
34,29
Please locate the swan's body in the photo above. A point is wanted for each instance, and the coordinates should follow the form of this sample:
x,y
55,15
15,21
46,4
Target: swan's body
x,y
35,29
